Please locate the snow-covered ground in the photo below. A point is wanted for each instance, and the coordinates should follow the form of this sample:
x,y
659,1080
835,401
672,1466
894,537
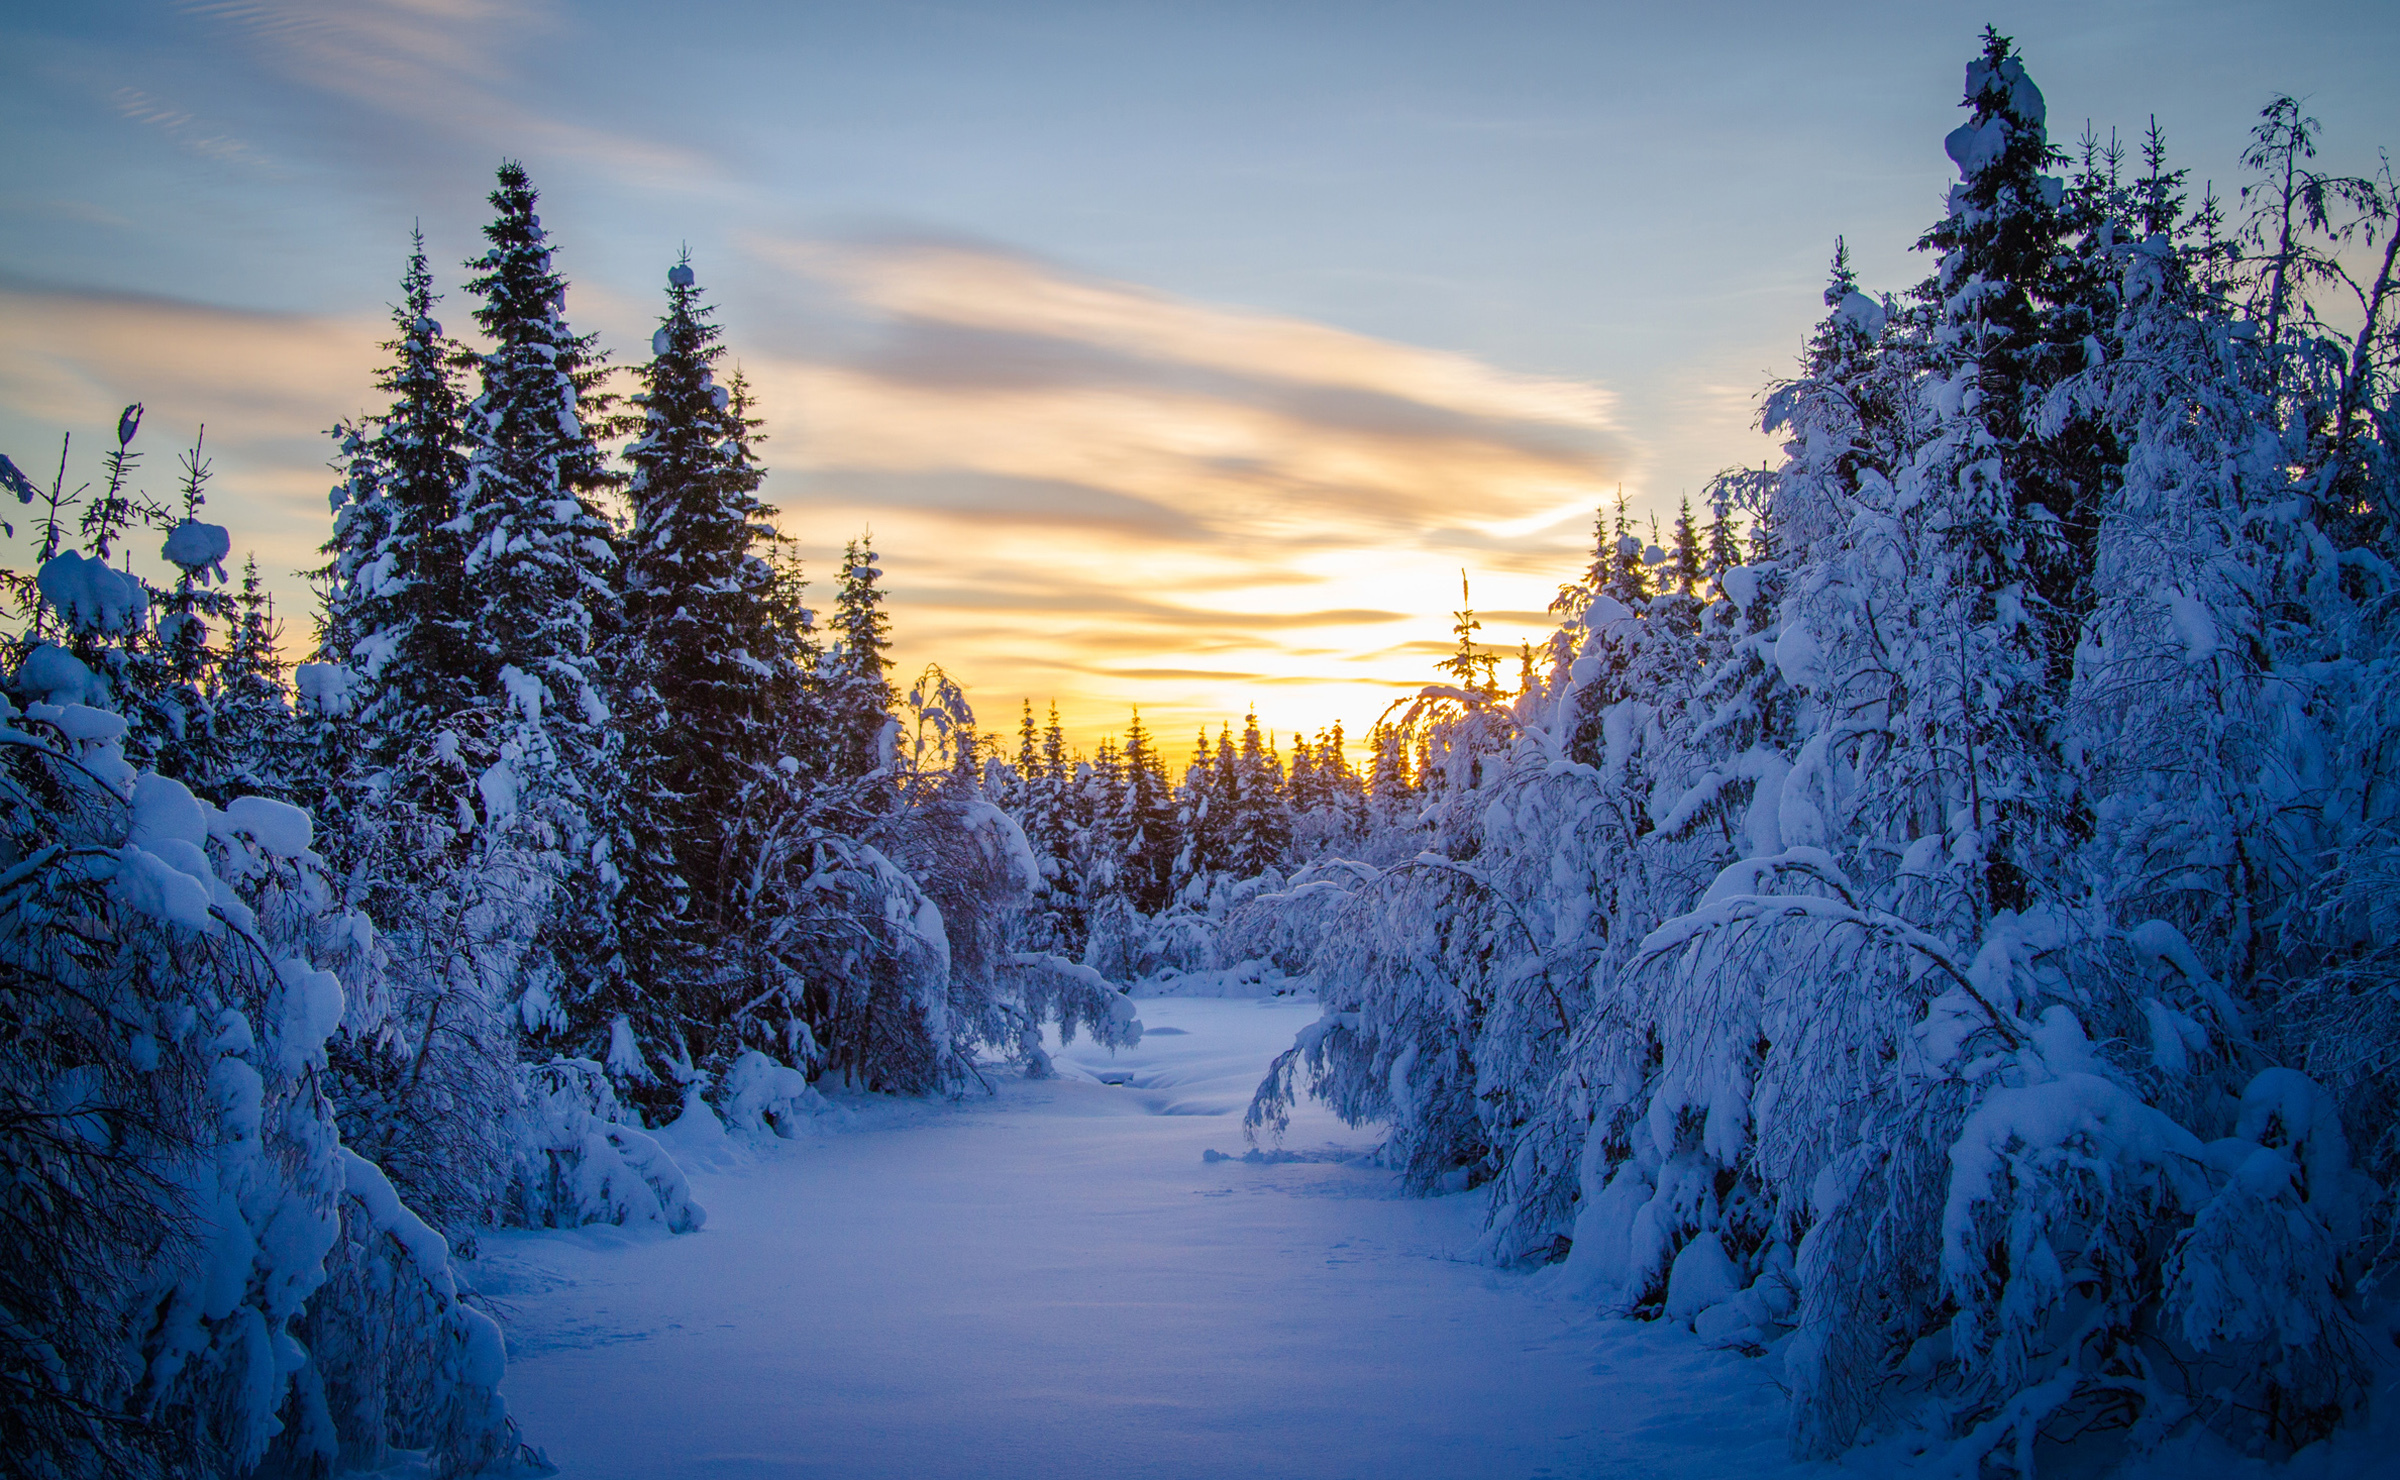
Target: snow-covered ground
x,y
1056,1282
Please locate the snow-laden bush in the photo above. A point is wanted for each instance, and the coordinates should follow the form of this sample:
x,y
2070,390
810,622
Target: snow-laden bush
x,y
1416,965
586,1164
1051,989
1283,927
1126,945
762,1095
397,1362
980,873
179,1178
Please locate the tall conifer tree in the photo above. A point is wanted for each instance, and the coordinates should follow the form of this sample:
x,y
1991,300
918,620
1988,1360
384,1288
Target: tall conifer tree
x,y
541,566
399,611
706,665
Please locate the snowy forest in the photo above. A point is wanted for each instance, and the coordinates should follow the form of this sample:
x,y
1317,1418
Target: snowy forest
x,y
1932,913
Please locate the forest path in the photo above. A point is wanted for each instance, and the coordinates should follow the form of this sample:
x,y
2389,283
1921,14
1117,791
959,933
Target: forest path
x,y
1053,1282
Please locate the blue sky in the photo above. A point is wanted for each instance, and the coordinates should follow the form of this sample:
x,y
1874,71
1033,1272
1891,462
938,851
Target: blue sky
x,y
1178,354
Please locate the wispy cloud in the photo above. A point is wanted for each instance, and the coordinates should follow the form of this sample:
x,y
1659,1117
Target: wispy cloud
x,y
445,66
1089,480
183,127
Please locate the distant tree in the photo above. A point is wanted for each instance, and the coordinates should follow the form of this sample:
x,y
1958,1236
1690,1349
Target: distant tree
x,y
1689,562
178,726
252,698
1147,823
1468,666
1259,835
857,682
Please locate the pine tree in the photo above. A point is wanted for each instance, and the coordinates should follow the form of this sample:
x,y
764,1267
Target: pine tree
x,y
858,686
1307,794
1346,789
1392,790
699,625
1689,561
399,753
1327,798
1101,802
803,721
254,716
704,668
1628,579
540,555
1039,798
541,566
1057,765
1260,835
1468,667
1148,826
2015,313
178,667
1723,547
1028,763
1048,778
399,610
1195,827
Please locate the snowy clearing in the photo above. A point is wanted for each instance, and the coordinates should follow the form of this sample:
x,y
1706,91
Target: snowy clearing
x,y
1055,1282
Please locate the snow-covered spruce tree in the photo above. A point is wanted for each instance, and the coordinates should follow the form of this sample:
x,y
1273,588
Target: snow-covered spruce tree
x,y
1043,804
857,683
1111,923
704,667
1301,786
2019,305
1145,821
842,937
395,733
252,698
399,609
1204,806
1005,778
181,1209
1062,824
178,728
541,568
1394,798
1328,798
1259,831
1134,856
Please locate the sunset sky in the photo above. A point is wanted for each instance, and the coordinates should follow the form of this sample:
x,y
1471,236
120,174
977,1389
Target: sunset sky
x,y
1178,355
